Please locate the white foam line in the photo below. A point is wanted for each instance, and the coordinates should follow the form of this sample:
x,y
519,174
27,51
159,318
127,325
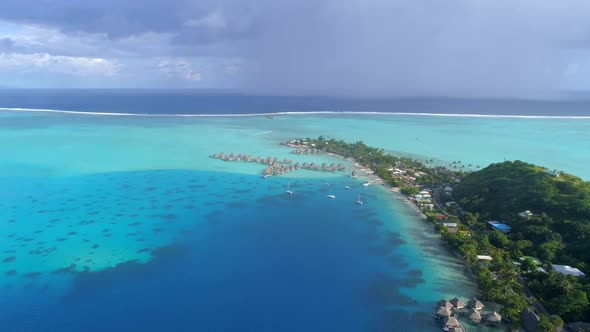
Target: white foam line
x,y
13,109
264,132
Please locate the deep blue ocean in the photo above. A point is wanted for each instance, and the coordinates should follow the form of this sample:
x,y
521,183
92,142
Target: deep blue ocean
x,y
244,256
214,102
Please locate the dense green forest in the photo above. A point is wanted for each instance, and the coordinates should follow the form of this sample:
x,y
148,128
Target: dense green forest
x,y
560,226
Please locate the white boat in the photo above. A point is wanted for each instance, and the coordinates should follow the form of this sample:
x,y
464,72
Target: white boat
x,y
331,196
366,184
289,192
347,187
360,202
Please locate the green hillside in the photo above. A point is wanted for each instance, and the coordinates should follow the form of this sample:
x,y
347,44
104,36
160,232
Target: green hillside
x,y
560,225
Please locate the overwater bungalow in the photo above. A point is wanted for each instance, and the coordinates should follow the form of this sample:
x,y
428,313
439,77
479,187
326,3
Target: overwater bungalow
x,y
457,303
444,303
474,316
451,322
493,319
475,304
442,312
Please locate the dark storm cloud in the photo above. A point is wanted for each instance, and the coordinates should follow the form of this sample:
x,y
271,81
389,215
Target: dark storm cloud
x,y
115,18
363,47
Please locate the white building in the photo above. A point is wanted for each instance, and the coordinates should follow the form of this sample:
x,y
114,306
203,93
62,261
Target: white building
x,y
568,270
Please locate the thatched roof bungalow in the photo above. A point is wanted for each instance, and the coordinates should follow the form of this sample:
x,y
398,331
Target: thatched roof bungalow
x,y
457,303
442,312
474,316
444,303
494,318
452,322
475,304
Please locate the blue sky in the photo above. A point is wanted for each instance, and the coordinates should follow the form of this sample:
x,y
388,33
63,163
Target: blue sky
x,y
519,48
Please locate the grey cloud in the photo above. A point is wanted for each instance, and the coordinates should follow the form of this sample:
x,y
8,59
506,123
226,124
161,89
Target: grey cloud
x,y
360,47
6,44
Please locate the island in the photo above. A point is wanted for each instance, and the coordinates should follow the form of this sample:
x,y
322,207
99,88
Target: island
x,y
523,230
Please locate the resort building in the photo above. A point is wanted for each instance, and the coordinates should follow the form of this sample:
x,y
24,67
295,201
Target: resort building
x,y
568,270
443,312
496,225
493,319
450,204
457,303
452,322
474,316
450,224
444,303
484,257
525,214
448,190
475,304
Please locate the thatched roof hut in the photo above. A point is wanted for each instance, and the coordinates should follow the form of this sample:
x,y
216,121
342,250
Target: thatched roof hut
x,y
457,303
475,304
494,318
444,303
451,322
474,316
443,312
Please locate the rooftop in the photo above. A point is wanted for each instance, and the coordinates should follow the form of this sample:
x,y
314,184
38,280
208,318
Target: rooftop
x,y
499,226
568,270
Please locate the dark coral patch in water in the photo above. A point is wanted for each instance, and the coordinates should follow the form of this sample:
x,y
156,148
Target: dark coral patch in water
x,y
61,239
95,246
10,273
395,239
137,223
385,292
9,259
86,222
32,275
144,250
63,270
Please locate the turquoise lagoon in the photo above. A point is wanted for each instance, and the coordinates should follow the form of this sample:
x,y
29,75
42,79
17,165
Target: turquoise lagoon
x,y
124,223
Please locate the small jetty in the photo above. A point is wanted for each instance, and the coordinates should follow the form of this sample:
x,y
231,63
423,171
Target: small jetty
x,y
276,166
448,313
